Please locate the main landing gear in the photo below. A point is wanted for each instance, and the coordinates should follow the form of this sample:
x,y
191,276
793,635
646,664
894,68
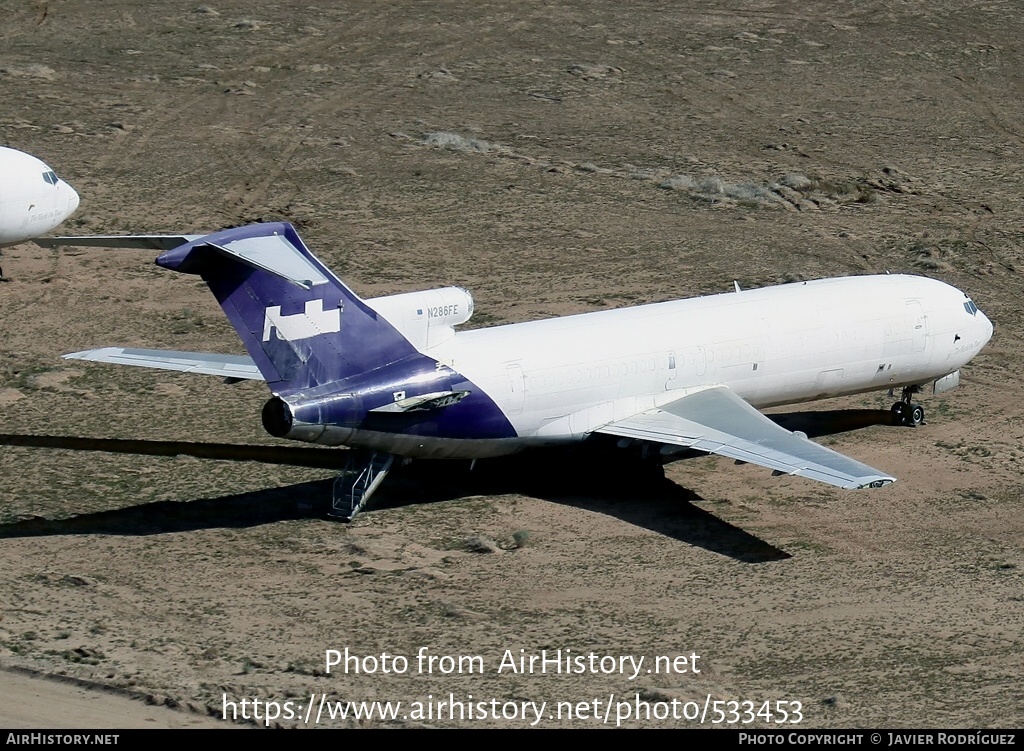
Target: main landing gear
x,y
905,411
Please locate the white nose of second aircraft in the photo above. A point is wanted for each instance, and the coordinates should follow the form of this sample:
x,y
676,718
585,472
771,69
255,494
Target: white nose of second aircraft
x,y
987,329
72,199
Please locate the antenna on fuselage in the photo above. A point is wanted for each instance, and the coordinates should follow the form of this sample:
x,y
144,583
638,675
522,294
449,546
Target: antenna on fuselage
x,y
736,284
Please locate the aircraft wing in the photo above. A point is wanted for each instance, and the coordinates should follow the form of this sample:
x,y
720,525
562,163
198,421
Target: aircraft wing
x,y
145,242
228,366
718,421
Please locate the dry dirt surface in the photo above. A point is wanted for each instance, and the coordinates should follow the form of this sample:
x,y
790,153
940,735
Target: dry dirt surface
x,y
553,158
83,704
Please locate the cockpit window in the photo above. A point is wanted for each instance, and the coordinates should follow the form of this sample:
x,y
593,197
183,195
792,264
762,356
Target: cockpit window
x,y
970,307
51,177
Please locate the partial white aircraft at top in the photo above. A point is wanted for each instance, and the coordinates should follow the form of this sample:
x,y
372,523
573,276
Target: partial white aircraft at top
x,y
391,376
33,200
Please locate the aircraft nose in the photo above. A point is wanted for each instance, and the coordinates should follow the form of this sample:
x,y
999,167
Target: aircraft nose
x,y
988,326
72,200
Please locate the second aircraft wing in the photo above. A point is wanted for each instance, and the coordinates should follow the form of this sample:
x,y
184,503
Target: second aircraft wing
x,y
718,421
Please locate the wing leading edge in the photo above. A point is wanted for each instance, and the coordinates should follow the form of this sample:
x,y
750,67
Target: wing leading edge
x,y
228,366
718,421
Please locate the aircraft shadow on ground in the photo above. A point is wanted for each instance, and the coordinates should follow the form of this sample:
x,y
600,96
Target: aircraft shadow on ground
x,y
162,517
598,480
598,477
831,422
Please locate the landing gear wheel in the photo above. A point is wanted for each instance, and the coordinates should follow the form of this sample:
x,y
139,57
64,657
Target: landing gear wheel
x,y
905,411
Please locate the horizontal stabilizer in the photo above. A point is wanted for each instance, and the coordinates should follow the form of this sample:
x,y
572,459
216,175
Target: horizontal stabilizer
x,y
275,254
718,421
145,242
228,366
271,253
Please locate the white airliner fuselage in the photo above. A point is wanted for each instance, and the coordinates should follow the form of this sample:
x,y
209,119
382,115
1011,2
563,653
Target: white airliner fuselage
x,y
33,200
560,379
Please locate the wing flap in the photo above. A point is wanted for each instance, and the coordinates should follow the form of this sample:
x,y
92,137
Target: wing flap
x,y
718,421
227,366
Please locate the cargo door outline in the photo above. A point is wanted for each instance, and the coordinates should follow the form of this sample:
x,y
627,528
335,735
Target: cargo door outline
x,y
516,388
918,326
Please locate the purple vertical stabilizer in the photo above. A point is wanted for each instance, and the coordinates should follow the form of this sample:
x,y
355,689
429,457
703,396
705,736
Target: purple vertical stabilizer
x,y
300,324
339,372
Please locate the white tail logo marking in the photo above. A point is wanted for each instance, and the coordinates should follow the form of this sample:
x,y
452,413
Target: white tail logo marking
x,y
312,322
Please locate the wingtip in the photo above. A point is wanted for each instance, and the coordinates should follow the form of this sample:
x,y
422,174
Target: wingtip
x,y
89,354
878,482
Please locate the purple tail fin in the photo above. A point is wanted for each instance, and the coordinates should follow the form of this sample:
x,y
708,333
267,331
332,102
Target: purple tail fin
x,y
300,324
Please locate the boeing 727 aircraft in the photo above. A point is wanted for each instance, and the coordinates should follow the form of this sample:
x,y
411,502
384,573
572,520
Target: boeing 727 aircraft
x,y
391,377
33,200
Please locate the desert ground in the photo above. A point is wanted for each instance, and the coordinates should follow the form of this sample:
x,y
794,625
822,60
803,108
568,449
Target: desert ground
x,y
553,158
